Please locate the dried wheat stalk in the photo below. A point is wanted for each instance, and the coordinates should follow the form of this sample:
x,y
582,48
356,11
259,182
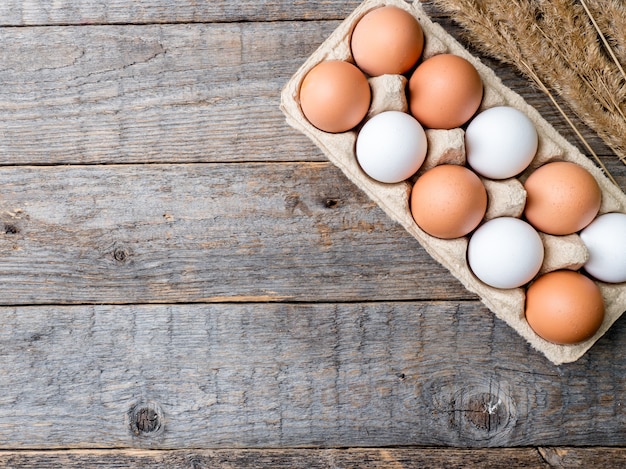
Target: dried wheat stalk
x,y
557,45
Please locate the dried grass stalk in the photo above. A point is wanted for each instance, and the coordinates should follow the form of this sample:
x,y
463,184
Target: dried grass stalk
x,y
556,44
604,39
610,16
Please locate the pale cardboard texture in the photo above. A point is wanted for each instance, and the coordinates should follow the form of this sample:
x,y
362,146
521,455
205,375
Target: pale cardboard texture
x,y
506,198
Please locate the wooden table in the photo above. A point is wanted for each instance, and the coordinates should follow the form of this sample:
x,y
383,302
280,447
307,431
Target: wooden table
x,y
187,282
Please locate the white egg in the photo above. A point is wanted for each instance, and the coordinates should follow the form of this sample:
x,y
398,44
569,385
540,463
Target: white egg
x,y
391,146
605,239
500,142
505,252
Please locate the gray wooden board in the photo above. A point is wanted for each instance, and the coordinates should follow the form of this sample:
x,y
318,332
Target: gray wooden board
x,y
89,12
150,93
165,93
296,375
203,233
80,12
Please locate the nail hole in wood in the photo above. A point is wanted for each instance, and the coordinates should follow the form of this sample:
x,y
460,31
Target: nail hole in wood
x,y
9,228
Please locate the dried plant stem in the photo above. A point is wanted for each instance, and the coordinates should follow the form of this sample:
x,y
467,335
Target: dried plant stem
x,y
543,88
603,37
610,15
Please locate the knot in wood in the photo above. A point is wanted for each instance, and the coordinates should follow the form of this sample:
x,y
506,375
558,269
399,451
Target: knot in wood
x,y
486,412
121,255
146,419
471,409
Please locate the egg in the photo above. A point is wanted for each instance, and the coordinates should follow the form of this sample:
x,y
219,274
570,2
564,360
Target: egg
x,y
387,40
500,142
444,91
448,201
505,252
564,307
391,146
335,96
562,198
605,239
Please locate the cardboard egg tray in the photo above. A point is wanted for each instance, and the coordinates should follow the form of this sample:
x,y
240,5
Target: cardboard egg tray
x,y
506,198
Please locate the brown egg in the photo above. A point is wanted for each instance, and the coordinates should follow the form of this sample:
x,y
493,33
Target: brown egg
x,y
387,40
335,96
564,307
562,198
448,201
444,92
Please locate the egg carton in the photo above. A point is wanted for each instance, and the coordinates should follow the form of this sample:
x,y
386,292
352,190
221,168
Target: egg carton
x,y
506,197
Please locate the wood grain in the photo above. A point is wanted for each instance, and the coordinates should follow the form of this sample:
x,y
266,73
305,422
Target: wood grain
x,y
80,12
394,458
173,93
182,271
296,375
583,457
165,93
203,233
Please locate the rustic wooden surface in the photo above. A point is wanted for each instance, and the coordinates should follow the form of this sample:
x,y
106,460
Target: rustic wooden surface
x,y
393,458
188,283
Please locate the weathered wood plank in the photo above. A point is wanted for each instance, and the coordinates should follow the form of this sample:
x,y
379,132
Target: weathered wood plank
x,y
397,458
80,12
203,233
394,458
296,375
583,457
152,93
89,12
165,93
